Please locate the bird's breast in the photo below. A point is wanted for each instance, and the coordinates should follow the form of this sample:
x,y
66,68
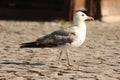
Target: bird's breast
x,y
80,38
78,41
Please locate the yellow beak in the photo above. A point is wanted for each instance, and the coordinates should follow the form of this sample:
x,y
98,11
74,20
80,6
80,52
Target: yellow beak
x,y
90,19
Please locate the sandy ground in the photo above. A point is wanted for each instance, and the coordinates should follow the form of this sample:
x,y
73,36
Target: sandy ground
x,y
97,59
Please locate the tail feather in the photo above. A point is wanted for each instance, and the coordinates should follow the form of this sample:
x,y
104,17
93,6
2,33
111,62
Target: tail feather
x,y
29,45
35,45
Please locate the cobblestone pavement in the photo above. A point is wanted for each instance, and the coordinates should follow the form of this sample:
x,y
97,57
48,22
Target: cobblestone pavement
x,y
97,59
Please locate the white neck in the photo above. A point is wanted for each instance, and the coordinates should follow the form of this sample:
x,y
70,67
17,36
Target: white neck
x,y
79,23
80,32
81,26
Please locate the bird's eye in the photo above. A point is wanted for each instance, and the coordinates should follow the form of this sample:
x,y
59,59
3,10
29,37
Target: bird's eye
x,y
82,14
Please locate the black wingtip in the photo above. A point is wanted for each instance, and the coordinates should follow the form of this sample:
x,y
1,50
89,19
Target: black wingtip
x,y
28,45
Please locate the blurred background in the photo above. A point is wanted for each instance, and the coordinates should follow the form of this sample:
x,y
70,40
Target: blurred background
x,y
59,9
26,20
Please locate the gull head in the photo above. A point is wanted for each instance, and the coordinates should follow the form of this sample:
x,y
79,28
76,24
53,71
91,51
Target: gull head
x,y
80,16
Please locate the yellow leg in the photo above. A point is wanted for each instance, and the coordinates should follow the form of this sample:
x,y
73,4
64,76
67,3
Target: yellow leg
x,y
59,59
67,54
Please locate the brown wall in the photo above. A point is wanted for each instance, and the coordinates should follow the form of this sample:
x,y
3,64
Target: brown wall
x,y
79,5
110,10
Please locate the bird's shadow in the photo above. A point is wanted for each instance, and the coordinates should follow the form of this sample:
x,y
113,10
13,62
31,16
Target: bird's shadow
x,y
23,63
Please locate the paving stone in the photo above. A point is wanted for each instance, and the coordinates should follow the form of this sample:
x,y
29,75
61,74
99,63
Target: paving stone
x,y
97,59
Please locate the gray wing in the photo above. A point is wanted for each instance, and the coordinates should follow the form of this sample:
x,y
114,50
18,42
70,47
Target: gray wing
x,y
56,38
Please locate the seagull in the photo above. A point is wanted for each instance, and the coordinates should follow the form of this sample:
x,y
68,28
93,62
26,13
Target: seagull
x,y
63,39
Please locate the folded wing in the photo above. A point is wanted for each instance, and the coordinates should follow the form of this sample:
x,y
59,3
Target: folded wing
x,y
57,38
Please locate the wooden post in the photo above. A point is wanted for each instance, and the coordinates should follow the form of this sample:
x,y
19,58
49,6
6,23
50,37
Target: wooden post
x,y
68,9
91,8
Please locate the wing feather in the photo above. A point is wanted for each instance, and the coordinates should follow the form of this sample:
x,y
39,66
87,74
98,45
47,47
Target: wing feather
x,y
59,37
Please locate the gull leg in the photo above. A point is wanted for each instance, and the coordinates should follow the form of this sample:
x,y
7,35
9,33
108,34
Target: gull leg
x,y
67,54
59,59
